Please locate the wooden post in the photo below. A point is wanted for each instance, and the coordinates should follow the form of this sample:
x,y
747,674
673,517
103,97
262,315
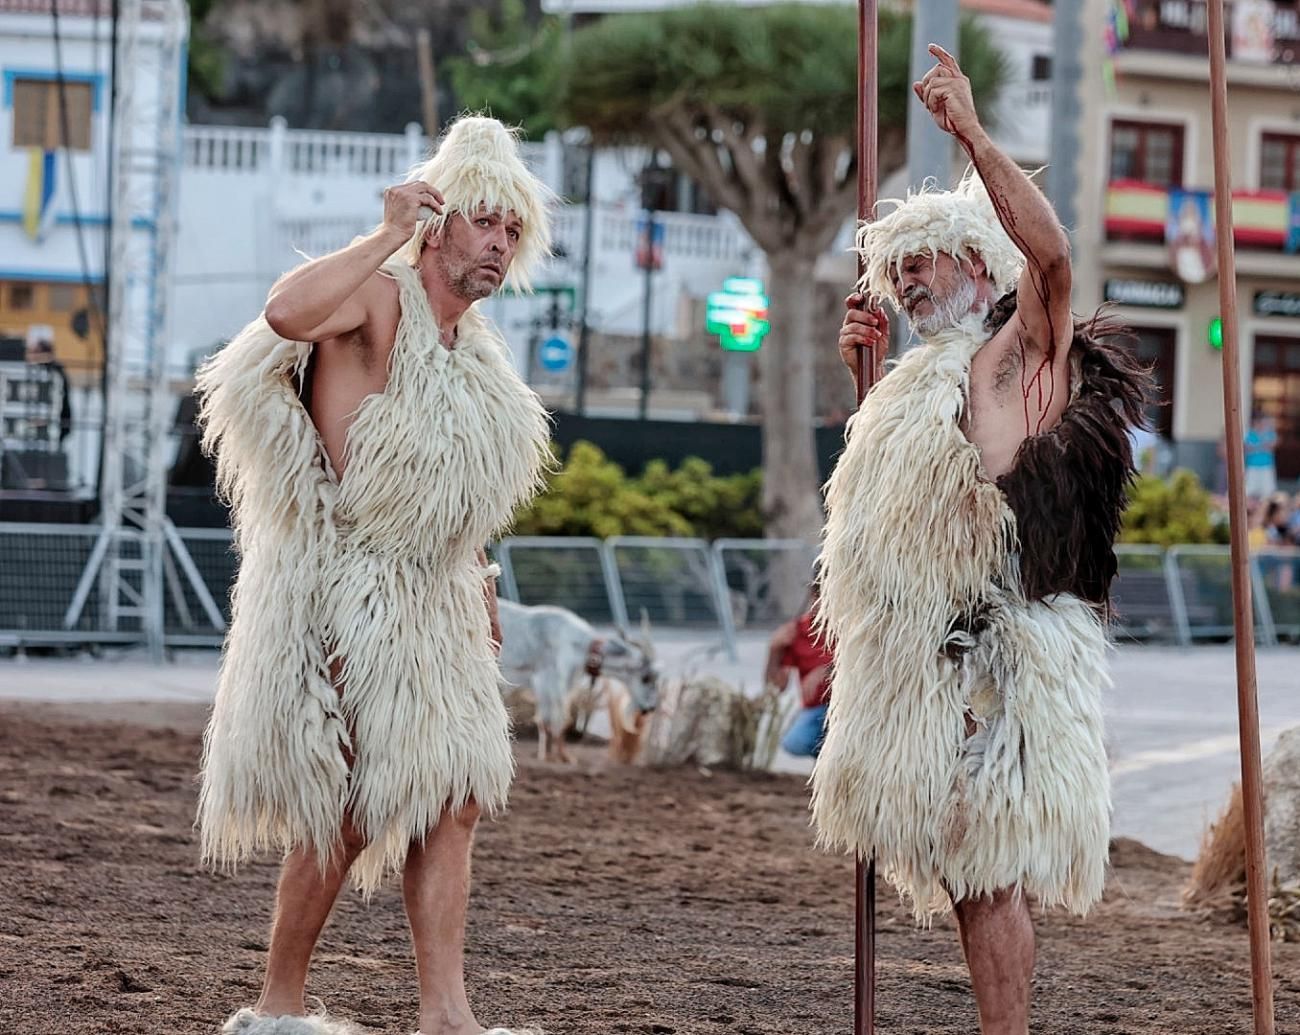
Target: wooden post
x,y
869,366
1243,612
428,82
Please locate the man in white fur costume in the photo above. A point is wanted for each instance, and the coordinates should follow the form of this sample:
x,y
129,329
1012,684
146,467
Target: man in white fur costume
x,y
966,562
371,434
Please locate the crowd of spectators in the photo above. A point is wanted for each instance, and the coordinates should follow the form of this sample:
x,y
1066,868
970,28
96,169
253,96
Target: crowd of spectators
x,y
1274,521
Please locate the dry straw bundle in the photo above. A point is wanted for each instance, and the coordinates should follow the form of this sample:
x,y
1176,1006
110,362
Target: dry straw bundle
x,y
1217,886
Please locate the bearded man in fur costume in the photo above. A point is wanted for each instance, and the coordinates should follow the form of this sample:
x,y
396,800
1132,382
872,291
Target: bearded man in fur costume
x,y
967,557
371,435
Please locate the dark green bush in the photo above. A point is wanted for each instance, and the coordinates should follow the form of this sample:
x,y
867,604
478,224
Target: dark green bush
x,y
1170,511
591,495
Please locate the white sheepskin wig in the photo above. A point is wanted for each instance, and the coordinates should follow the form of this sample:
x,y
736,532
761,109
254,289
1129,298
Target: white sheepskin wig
x,y
961,223
477,163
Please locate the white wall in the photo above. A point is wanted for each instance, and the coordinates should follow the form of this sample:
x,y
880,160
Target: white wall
x,y
27,48
1024,111
250,197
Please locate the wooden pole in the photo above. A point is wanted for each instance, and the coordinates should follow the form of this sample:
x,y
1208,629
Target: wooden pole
x,y
869,366
1243,613
428,82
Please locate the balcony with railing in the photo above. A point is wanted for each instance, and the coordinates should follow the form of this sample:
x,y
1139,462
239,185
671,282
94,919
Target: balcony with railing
x,y
279,152
1257,31
1137,211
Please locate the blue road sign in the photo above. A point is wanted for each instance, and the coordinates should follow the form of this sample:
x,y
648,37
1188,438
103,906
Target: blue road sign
x,y
556,353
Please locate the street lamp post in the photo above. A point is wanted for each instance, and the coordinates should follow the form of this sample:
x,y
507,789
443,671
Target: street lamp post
x,y
655,181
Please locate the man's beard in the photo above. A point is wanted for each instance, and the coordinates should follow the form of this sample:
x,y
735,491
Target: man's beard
x,y
471,283
465,276
946,312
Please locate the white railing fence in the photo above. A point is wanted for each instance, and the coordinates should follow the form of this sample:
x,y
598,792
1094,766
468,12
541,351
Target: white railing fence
x,y
277,149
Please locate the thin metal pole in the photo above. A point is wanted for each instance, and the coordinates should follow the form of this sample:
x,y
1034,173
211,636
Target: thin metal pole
x,y
1243,616
645,313
584,326
869,367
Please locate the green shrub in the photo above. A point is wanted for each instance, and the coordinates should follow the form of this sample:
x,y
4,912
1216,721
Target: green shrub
x,y
717,506
591,495
1170,511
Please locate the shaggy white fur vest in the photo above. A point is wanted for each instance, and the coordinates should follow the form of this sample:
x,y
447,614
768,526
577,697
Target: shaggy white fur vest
x,y
376,572
920,597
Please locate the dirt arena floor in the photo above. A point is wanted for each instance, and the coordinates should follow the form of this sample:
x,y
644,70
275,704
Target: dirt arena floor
x,y
605,902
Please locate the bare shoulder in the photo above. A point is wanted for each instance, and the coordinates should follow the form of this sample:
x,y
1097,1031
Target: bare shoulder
x,y
371,343
383,303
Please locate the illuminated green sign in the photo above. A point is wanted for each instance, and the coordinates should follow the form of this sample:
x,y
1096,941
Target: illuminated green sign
x,y
738,314
1214,335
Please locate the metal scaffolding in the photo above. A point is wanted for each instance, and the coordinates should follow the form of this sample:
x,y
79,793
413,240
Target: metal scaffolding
x,y
130,564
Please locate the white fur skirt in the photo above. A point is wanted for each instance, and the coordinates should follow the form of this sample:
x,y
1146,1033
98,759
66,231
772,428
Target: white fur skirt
x,y
1021,803
417,711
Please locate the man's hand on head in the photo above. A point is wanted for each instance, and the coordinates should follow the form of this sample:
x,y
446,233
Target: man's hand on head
x,y
946,94
402,206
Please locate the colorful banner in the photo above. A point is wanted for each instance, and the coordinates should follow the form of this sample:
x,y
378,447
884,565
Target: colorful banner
x,y
649,244
1252,31
38,212
1114,35
1293,224
1189,235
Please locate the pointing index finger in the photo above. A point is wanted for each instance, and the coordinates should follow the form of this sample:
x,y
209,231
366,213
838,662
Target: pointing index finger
x,y
944,58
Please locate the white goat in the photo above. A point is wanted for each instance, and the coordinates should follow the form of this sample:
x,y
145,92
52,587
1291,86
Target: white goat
x,y
551,649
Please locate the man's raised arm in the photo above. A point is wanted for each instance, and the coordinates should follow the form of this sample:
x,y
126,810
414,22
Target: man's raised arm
x,y
1043,295
323,298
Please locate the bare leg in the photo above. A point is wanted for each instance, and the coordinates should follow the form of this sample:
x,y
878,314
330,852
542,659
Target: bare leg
x,y
435,887
302,905
997,936
550,741
303,902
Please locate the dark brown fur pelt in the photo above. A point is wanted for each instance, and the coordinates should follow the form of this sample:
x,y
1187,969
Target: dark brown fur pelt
x,y
1069,486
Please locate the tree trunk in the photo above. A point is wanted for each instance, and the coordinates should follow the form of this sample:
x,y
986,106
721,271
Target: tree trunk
x,y
791,481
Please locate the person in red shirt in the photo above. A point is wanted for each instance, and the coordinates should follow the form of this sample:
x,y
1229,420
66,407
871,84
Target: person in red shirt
x,y
795,646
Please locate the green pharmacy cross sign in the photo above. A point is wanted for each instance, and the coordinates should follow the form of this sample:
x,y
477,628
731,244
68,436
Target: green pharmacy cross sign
x,y
738,314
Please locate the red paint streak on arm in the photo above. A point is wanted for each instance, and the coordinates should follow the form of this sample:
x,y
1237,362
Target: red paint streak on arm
x,y
1038,279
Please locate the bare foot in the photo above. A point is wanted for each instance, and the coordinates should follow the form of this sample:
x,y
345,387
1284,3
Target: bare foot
x,y
449,1020
276,1007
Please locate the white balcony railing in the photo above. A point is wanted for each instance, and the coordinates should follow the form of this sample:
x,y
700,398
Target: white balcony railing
x,y
687,238
280,150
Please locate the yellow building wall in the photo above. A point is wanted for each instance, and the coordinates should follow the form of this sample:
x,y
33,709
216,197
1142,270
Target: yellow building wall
x,y
30,303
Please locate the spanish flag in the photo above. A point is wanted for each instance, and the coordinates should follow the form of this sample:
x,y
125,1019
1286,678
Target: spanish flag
x,y
37,210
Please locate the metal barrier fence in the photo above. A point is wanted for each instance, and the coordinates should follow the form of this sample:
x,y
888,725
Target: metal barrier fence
x,y
50,593
1279,575
573,572
1182,594
763,581
1200,582
1143,607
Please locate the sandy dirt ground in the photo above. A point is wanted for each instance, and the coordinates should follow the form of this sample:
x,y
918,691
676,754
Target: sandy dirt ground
x,y
606,901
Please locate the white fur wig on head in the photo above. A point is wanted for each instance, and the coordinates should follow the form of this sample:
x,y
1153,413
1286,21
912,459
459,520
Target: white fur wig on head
x,y
477,163
961,223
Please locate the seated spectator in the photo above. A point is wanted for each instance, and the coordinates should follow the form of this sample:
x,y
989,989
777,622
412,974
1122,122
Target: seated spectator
x,y
1278,520
796,647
